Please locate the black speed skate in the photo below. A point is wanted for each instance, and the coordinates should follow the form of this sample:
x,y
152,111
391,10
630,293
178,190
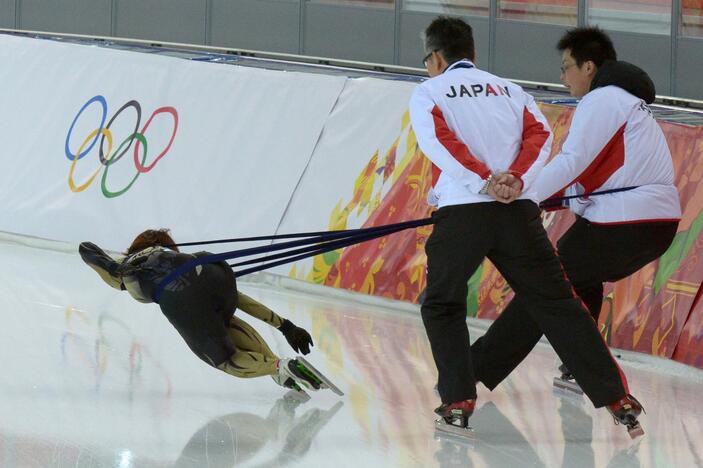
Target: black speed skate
x,y
625,411
567,381
454,417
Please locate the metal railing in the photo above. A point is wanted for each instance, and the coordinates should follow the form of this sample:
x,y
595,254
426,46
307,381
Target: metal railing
x,y
281,60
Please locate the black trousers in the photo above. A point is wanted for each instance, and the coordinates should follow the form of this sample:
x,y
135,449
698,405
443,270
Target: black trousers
x,y
513,238
591,254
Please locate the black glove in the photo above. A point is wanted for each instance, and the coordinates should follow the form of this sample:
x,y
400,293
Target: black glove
x,y
298,338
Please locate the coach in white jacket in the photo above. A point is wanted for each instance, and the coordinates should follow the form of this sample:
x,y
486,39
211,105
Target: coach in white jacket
x,y
477,129
614,144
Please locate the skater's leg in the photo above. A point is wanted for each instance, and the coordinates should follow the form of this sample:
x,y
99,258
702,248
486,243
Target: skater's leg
x,y
253,357
493,360
455,249
248,364
246,338
528,262
256,357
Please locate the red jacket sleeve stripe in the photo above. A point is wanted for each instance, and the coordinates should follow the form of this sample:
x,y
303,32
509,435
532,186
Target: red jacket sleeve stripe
x,y
534,136
455,147
610,159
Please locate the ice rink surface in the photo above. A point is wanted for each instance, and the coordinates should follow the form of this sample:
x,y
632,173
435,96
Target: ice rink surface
x,y
92,378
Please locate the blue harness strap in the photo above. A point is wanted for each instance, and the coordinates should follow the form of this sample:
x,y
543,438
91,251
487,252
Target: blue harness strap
x,y
323,242
310,251
347,240
556,201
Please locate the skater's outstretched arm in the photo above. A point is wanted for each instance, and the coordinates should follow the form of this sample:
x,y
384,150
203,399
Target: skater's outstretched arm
x,y
258,310
106,266
299,339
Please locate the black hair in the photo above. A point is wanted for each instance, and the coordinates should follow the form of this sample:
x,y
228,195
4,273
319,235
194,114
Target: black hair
x,y
586,44
451,37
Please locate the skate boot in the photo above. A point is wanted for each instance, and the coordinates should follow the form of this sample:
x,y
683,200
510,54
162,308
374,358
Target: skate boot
x,y
625,411
454,417
567,381
296,391
293,374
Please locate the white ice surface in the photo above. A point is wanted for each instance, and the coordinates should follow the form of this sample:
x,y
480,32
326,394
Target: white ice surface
x,y
91,378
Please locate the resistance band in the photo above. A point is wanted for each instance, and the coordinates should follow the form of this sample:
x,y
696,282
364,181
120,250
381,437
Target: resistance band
x,y
557,201
313,243
323,242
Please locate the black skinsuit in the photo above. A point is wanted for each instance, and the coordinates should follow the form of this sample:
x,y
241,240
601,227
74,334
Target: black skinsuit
x,y
199,303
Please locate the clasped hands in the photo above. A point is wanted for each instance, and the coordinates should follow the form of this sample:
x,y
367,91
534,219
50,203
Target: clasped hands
x,y
505,187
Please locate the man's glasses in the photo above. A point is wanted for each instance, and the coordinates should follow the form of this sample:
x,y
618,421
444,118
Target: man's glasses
x,y
563,68
427,57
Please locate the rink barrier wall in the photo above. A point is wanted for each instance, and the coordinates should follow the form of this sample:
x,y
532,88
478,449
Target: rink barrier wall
x,y
216,137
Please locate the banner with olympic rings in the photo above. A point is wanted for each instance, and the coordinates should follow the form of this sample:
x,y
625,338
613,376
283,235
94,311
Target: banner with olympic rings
x,y
107,158
101,144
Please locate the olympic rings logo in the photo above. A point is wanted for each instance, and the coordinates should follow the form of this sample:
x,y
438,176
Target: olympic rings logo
x,y
108,158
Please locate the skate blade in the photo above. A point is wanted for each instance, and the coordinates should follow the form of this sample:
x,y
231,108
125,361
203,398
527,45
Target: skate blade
x,y
568,386
442,427
297,395
326,383
635,431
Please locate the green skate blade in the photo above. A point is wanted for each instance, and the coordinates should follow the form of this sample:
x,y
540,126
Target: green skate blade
x,y
308,373
319,375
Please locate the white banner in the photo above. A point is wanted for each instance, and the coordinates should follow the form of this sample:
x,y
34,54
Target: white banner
x,y
362,150
100,144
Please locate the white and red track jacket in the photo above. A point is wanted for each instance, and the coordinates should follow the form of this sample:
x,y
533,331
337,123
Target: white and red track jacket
x,y
614,142
471,124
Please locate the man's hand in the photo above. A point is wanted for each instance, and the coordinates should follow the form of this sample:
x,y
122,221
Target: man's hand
x,y
298,338
505,187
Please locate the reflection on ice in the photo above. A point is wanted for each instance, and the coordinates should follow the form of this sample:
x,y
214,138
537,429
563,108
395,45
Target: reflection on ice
x,y
282,436
91,379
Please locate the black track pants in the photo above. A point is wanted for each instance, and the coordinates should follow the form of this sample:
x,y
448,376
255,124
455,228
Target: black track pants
x,y
513,238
